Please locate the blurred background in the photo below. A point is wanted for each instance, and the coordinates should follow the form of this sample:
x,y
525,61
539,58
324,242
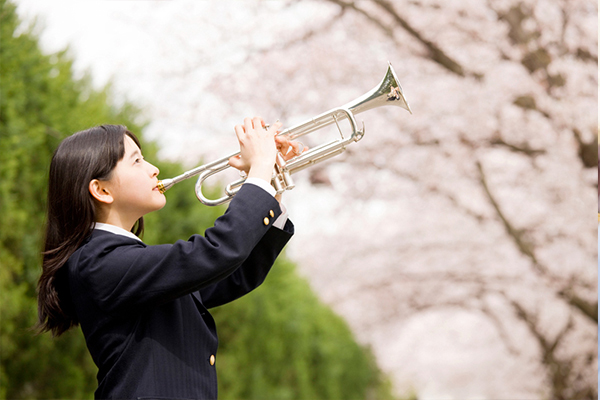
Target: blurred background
x,y
447,255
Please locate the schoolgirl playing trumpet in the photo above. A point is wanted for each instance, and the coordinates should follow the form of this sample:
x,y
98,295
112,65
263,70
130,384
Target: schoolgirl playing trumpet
x,y
144,309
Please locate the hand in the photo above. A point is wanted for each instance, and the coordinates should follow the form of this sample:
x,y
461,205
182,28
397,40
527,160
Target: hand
x,y
258,148
289,148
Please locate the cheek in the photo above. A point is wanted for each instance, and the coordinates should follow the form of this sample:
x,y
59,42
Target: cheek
x,y
162,200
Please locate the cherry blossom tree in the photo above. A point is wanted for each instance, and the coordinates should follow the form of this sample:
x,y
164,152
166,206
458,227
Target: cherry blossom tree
x,y
466,221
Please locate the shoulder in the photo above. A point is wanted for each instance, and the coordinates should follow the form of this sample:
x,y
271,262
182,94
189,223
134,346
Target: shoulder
x,y
98,245
100,239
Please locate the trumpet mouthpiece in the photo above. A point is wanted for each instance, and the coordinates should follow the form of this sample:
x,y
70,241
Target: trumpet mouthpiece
x,y
164,185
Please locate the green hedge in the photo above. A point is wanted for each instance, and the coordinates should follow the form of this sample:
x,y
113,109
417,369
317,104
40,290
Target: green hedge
x,y
279,342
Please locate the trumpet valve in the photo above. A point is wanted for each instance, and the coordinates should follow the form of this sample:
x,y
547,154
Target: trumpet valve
x,y
277,184
288,181
282,179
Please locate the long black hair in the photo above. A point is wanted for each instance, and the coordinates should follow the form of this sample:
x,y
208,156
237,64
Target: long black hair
x,y
71,214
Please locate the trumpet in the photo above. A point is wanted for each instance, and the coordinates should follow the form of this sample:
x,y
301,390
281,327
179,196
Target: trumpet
x,y
388,92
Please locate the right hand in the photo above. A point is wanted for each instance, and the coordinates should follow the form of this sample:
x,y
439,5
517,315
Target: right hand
x,y
258,148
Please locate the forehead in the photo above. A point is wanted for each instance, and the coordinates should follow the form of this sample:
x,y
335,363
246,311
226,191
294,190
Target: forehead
x,y
130,146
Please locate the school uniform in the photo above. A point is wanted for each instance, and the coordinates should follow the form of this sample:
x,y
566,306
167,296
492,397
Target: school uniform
x,y
144,309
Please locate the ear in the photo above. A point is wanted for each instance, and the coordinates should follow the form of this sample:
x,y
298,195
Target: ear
x,y
100,191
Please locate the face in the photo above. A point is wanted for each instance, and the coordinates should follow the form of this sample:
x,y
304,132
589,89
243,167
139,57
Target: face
x,y
133,185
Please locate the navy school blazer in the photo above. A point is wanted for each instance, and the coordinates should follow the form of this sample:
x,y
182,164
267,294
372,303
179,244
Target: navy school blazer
x,y
143,309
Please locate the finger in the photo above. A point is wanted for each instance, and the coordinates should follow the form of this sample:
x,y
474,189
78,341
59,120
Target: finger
x,y
239,131
297,148
248,124
258,122
237,162
275,127
283,144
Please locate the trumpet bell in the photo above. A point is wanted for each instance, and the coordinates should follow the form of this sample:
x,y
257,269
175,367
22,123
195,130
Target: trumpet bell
x,y
388,93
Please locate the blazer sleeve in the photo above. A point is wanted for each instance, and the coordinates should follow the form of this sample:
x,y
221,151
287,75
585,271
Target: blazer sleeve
x,y
253,270
121,273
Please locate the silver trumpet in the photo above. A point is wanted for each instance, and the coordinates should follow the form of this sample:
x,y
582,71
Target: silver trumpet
x,y
388,92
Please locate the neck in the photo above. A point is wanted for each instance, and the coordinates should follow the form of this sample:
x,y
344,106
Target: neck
x,y
119,220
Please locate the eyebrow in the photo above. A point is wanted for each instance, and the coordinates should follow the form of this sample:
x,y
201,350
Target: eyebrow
x,y
137,152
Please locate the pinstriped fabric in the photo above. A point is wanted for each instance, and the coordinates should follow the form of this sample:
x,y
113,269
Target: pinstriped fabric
x,y
143,309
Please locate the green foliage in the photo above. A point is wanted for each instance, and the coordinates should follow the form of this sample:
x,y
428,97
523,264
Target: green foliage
x,y
40,104
279,342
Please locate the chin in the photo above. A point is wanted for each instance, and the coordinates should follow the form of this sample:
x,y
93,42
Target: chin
x,y
159,201
161,204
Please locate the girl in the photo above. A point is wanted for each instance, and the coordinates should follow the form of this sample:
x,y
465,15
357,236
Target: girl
x,y
143,309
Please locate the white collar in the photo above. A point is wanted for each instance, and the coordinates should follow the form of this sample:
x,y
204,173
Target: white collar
x,y
115,229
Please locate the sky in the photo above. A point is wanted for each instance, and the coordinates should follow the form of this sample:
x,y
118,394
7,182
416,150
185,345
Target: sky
x,y
137,47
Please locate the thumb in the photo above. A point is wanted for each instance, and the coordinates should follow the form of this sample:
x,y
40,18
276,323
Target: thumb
x,y
236,161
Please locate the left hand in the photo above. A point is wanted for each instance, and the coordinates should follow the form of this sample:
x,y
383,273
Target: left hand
x,y
289,148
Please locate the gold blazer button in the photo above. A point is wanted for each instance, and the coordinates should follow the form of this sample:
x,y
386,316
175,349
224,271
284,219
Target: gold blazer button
x,y
271,213
212,360
266,221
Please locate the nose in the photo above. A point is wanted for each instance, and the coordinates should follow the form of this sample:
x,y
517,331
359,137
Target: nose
x,y
153,170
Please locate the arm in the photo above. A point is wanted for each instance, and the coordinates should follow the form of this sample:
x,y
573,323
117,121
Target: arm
x,y
120,273
252,272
